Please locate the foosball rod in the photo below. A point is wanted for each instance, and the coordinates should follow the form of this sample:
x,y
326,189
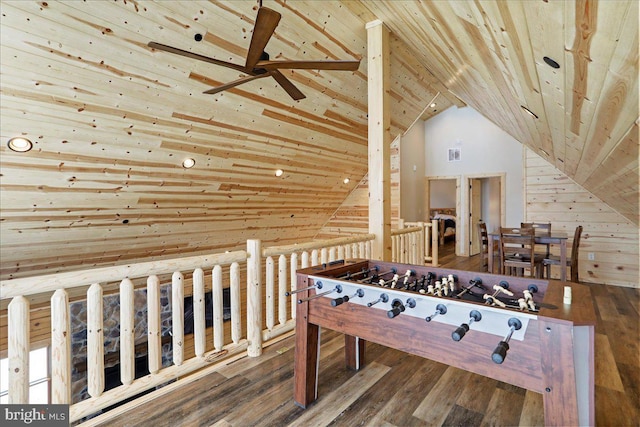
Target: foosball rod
x,y
337,301
477,282
370,279
349,275
338,289
500,352
308,288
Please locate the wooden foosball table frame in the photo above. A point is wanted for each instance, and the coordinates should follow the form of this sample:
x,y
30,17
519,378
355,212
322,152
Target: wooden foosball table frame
x,y
555,357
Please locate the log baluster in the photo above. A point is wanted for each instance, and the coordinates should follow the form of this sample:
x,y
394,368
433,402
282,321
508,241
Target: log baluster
x,y
294,268
269,292
218,309
60,348
177,317
236,320
95,341
18,327
154,340
199,324
127,333
282,288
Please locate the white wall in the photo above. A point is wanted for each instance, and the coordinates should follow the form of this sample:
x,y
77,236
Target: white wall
x,y
442,193
485,149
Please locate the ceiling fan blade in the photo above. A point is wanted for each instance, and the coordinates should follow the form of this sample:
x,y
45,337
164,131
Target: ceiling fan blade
x,y
286,84
192,55
309,65
266,23
236,83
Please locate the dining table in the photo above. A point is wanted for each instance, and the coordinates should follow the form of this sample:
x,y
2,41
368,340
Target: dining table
x,y
541,237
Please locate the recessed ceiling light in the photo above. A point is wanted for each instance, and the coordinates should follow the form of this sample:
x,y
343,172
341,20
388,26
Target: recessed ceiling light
x,y
531,113
551,63
188,163
433,105
346,180
279,172
20,144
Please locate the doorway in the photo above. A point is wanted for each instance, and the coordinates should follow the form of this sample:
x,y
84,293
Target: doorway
x,y
487,203
442,200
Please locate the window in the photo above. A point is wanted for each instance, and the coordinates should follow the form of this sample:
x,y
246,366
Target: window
x,y
38,377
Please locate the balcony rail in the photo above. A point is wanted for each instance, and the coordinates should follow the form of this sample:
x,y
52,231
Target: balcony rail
x,y
276,265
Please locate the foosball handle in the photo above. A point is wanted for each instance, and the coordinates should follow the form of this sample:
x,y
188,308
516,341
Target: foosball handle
x,y
337,301
458,334
460,331
397,307
500,352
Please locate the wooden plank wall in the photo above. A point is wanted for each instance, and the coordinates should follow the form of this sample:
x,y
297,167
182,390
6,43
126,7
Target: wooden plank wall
x,y
112,119
353,214
553,196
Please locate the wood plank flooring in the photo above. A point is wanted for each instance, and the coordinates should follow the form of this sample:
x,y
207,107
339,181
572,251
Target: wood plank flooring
x,y
397,389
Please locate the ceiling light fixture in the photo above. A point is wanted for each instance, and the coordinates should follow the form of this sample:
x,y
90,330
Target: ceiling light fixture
x,y
551,63
433,105
20,144
279,172
346,180
531,113
188,163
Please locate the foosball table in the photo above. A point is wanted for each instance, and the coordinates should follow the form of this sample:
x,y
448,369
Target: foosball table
x,y
532,333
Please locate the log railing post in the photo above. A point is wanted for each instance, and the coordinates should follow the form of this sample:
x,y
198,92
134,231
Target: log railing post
x,y
60,348
218,307
293,281
199,323
282,289
177,317
154,339
270,291
127,333
254,299
434,242
18,329
236,321
95,341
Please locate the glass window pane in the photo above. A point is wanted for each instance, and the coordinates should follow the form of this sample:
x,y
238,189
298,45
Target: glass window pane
x,y
39,393
4,375
38,364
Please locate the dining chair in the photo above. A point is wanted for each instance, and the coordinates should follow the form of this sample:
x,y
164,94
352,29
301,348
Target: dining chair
x,y
572,261
517,251
483,237
540,228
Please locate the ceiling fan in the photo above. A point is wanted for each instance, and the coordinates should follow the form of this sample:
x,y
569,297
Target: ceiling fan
x,y
257,64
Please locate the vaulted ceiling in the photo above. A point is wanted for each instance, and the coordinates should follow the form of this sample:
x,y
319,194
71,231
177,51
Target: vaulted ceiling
x,y
112,119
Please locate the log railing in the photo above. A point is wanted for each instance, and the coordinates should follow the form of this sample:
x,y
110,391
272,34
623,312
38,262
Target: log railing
x,y
417,243
277,265
120,280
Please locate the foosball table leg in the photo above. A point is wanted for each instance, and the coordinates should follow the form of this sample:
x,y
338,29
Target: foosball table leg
x,y
307,359
354,352
567,359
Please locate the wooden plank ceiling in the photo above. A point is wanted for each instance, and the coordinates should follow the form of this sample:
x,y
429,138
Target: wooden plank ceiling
x,y
112,119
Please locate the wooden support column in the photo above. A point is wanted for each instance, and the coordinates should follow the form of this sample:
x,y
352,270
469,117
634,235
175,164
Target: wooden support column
x,y
379,140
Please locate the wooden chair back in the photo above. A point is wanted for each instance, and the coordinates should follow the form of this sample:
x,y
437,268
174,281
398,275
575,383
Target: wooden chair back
x,y
483,237
574,253
540,228
517,250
